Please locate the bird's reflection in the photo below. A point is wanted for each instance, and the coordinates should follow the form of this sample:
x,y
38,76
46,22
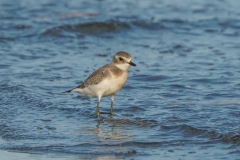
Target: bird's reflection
x,y
106,129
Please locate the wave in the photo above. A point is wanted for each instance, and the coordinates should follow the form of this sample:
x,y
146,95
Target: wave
x,y
214,136
116,26
92,28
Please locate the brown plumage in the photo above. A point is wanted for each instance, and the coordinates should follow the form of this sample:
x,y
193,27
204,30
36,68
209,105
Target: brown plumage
x,y
100,74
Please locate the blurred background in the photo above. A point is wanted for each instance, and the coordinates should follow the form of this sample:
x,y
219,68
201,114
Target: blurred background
x,y
180,102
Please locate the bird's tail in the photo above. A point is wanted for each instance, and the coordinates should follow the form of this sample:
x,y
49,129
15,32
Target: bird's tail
x,y
68,91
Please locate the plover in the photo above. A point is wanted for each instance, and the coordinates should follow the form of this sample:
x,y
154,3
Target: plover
x,y
107,80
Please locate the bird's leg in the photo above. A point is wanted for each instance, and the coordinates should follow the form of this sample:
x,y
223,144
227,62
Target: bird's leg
x,y
111,107
97,108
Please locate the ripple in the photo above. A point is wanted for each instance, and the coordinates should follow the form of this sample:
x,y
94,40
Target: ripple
x,y
186,129
136,122
92,28
142,77
231,137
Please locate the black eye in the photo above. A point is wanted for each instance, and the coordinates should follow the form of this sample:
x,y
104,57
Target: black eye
x,y
120,58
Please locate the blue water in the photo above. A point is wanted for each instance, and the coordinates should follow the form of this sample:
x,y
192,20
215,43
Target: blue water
x,y
180,102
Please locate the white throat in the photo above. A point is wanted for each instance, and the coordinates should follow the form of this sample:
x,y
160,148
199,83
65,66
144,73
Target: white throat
x,y
123,66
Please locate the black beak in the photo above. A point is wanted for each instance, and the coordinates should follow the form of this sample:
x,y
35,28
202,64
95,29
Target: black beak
x,y
132,64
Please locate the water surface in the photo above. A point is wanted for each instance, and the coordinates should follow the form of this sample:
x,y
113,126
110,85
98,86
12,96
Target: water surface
x,y
180,102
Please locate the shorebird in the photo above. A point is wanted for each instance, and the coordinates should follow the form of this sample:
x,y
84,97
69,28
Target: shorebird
x,y
107,80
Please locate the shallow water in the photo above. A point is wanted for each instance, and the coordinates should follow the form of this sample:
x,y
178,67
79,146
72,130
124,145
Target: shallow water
x,y
180,102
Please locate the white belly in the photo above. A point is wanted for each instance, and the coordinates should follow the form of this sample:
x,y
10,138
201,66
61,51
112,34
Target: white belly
x,y
107,87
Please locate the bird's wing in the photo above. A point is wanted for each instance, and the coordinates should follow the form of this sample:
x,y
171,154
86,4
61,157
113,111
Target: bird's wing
x,y
96,76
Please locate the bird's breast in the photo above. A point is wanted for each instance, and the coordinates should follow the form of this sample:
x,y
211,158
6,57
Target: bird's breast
x,y
114,83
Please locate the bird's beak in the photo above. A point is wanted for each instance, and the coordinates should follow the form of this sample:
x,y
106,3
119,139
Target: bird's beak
x,y
132,64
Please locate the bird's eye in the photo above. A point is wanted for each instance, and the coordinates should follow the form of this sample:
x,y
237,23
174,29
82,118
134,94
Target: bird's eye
x,y
120,58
